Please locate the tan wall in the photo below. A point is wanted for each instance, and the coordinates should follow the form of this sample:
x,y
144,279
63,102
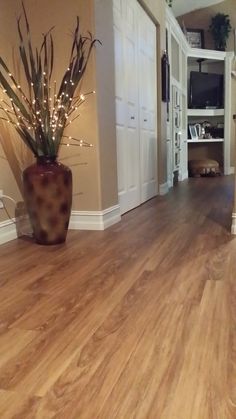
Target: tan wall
x,y
94,169
201,19
44,14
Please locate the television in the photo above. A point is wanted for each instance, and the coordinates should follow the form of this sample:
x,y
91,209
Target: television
x,y
206,90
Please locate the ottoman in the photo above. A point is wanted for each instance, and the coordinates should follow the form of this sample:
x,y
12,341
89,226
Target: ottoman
x,y
203,167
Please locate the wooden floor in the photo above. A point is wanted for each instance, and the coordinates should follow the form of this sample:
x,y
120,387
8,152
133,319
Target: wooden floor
x,y
138,321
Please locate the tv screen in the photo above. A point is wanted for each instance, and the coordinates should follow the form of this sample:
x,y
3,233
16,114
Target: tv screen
x,y
206,90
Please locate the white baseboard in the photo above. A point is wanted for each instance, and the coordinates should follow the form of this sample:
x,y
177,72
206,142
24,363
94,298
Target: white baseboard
x,y
230,171
183,177
233,225
163,188
7,231
95,220
80,220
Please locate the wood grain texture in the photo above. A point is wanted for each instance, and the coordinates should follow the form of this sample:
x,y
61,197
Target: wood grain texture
x,y
137,322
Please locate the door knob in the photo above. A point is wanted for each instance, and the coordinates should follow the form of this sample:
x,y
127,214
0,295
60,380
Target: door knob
x,y
132,117
145,120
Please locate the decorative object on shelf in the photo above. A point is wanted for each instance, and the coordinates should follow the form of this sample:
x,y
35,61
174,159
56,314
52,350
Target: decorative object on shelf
x,y
200,131
208,136
195,37
220,29
193,132
205,167
207,128
40,113
165,74
217,131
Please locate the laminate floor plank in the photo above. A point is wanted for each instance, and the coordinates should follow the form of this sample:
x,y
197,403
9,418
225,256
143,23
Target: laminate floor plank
x,y
136,322
15,304
18,406
12,342
157,360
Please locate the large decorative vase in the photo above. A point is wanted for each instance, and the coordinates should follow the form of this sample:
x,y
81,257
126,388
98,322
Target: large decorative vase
x,y
48,199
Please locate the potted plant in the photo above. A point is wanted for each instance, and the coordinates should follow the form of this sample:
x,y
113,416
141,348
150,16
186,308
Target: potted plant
x,y
40,112
220,29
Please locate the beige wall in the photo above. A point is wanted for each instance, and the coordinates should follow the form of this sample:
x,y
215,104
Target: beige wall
x,y
201,19
43,15
94,169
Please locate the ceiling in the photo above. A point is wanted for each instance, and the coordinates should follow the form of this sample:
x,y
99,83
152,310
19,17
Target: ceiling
x,y
181,7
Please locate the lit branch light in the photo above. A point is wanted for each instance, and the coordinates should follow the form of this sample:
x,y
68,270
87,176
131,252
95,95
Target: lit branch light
x,y
78,143
42,110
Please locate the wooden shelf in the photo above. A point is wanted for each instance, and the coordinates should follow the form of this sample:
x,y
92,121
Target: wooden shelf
x,y
206,112
212,140
207,54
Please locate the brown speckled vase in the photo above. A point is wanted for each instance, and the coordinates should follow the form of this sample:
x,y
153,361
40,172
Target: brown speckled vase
x,y
48,198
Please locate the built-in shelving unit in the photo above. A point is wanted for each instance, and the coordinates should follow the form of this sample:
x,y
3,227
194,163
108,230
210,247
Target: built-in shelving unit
x,y
206,112
214,148
216,122
177,47
210,140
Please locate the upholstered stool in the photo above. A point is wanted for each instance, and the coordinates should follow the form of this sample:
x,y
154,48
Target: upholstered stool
x,y
203,167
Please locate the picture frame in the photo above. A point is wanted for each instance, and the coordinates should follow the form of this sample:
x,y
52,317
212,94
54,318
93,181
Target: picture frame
x,y
193,132
195,37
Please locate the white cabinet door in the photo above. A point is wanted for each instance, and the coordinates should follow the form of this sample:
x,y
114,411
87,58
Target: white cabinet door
x,y
135,75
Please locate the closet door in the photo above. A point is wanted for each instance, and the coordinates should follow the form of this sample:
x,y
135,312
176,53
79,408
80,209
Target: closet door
x,y
135,67
147,76
127,129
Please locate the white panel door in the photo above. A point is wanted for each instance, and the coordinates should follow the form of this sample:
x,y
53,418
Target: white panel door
x,y
136,143
126,104
147,76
